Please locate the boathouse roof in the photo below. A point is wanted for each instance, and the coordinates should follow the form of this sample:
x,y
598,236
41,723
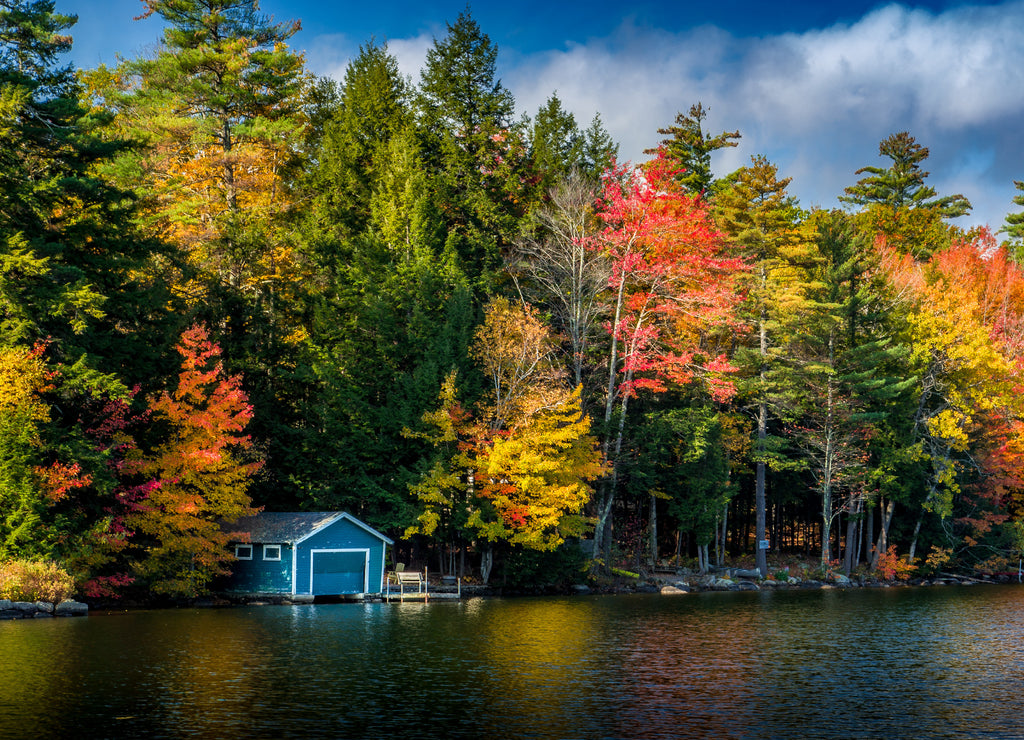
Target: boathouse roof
x,y
293,527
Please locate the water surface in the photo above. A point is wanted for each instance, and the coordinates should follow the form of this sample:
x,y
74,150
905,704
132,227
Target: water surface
x,y
889,663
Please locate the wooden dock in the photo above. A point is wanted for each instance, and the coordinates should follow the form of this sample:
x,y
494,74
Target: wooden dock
x,y
403,585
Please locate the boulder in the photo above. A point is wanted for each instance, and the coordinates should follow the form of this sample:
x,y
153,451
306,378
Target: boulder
x,y
28,607
44,606
581,588
71,609
841,580
745,573
748,586
671,590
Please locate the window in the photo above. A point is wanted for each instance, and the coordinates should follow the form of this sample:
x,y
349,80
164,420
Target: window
x,y
243,552
271,552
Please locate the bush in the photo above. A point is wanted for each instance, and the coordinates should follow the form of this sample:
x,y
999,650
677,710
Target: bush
x,y
558,568
25,580
891,567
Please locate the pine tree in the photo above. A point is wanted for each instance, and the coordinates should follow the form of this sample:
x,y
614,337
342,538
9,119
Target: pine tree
x,y
1014,227
898,205
901,185
691,148
556,143
762,219
475,153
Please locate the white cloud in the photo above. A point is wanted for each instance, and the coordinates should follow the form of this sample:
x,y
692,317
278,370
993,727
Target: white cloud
x,y
816,103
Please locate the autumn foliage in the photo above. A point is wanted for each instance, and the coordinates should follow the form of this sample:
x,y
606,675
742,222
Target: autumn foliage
x,y
200,477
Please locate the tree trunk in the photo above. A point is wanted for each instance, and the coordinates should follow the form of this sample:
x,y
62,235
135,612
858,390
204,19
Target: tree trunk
x,y
762,435
913,540
869,534
883,535
486,563
852,542
654,532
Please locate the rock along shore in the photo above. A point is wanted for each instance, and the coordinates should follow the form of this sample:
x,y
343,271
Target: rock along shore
x,y
751,581
41,609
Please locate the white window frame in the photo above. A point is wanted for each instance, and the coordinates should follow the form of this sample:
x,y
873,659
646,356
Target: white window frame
x,y
241,557
267,557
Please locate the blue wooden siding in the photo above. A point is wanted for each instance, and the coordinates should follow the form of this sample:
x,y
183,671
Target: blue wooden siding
x,y
339,536
263,576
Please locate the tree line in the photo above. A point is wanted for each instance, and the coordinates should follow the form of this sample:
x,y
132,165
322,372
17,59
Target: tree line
x,y
227,284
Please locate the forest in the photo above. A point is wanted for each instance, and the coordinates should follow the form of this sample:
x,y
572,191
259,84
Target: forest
x,y
229,285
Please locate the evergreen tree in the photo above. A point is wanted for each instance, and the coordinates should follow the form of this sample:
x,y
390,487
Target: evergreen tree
x,y
556,143
897,204
763,220
901,185
474,152
691,148
599,149
373,106
1015,225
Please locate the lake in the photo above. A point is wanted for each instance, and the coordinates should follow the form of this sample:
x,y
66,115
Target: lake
x,y
939,662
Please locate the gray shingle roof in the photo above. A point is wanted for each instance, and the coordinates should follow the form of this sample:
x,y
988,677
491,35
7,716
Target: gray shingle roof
x,y
281,527
274,527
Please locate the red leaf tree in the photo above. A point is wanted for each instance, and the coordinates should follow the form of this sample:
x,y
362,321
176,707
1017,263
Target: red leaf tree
x,y
673,283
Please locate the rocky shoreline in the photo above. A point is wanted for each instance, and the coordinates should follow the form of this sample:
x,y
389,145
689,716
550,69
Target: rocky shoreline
x,y
741,580
41,609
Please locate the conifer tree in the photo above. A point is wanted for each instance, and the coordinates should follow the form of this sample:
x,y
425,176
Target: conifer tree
x,y
897,204
1014,227
691,148
762,219
473,150
556,143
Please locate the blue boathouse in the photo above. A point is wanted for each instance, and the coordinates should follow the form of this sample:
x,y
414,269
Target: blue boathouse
x,y
325,553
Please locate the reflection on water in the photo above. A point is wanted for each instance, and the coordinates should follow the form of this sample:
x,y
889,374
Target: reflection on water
x,y
861,664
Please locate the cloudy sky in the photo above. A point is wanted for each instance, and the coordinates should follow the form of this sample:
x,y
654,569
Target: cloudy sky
x,y
812,85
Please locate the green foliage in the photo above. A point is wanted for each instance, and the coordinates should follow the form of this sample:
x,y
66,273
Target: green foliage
x,y
1014,227
560,568
681,458
474,153
690,148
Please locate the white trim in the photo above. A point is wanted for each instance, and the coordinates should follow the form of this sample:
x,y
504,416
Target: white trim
x,y
295,565
323,526
366,564
239,557
267,557
343,515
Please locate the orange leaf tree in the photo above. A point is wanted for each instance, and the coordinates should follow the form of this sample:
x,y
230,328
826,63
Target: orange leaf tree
x,y
202,480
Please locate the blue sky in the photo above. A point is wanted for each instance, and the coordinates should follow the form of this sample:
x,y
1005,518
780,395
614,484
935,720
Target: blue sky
x,y
812,85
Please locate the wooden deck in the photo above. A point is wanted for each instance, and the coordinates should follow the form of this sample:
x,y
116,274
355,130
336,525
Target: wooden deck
x,y
415,586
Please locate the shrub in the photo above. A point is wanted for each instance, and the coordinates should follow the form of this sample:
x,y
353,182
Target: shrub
x,y
25,580
891,566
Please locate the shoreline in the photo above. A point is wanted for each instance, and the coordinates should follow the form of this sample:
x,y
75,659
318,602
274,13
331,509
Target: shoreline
x,y
659,583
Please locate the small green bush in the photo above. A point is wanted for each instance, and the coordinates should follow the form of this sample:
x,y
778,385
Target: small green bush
x,y
25,580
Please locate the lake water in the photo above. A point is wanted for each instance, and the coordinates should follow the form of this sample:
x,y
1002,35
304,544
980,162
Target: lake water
x,y
941,662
